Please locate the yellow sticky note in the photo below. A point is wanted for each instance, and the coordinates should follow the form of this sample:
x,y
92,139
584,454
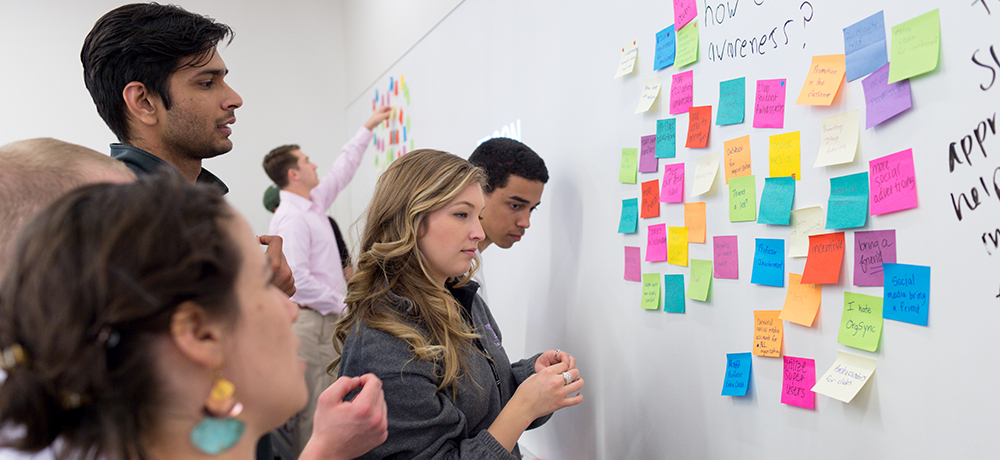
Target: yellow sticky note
x,y
916,45
694,220
737,157
845,377
838,139
627,62
826,74
677,246
805,222
801,301
651,291
768,332
785,155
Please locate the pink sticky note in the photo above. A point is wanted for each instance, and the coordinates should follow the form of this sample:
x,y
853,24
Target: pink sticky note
x,y
769,105
633,272
647,154
800,376
893,184
682,92
727,257
672,190
656,243
684,12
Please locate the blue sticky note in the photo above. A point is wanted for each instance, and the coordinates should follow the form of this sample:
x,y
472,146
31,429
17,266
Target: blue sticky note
x,y
666,48
629,222
769,262
906,293
732,101
737,374
848,206
673,293
776,201
864,45
666,138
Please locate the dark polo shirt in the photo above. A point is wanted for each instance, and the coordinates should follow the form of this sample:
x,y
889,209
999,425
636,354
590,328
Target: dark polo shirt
x,y
142,162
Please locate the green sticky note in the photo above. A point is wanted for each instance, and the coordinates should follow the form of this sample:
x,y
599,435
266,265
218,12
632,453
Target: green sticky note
x,y
743,199
630,166
687,45
861,324
651,291
701,279
916,45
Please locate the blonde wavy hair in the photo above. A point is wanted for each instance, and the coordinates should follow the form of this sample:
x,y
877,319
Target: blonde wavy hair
x,y
413,186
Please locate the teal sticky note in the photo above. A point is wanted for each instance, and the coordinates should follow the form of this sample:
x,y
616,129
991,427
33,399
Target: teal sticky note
x,y
769,262
673,293
666,47
906,293
732,101
848,206
737,374
629,222
666,138
776,201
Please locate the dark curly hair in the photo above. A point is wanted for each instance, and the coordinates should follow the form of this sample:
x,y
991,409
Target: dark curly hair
x,y
502,157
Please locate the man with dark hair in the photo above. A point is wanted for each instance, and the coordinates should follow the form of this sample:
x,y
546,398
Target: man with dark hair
x,y
516,176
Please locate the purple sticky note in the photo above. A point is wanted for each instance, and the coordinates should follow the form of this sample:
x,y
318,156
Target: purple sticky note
x,y
656,243
871,250
682,92
800,376
647,154
883,100
633,272
769,105
893,184
672,190
727,257
684,12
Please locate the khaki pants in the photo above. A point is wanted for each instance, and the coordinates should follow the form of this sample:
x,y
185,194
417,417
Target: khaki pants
x,y
315,331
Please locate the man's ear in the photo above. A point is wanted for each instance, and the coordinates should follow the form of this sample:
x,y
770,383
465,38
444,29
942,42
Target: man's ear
x,y
141,103
196,336
293,174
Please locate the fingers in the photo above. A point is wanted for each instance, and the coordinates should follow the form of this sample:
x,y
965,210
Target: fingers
x,y
340,388
371,390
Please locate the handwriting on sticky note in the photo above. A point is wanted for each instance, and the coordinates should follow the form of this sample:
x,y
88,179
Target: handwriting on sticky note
x,y
665,48
650,89
826,255
838,139
864,44
769,104
651,291
861,323
632,264
732,101
884,100
804,222
826,73
769,262
801,301
799,378
673,183
776,201
743,199
687,45
666,138
650,199
684,12
630,216
647,154
845,377
681,92
656,243
915,47
893,184
727,257
694,220
673,293
848,205
768,332
627,61
701,279
699,124
677,246
907,293
785,155
706,168
738,366
629,166
871,250
737,153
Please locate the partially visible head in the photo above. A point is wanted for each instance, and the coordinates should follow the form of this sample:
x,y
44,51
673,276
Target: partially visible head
x,y
517,177
288,167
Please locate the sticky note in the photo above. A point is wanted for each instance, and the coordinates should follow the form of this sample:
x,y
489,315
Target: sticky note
x,y
673,293
694,220
650,199
826,256
684,12
737,153
737,374
872,249
666,138
848,206
732,101
650,89
632,263
799,378
785,156
651,291
701,279
666,47
767,333
647,154
804,222
907,293
681,92
884,100
705,171
801,301
656,243
846,377
629,167
776,201
769,262
743,199
864,44
727,257
673,183
687,45
769,104
699,124
915,47
677,246
826,73
892,182
838,139
629,222
861,323
627,61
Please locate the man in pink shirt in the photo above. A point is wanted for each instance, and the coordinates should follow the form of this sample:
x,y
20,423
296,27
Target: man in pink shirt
x,y
313,254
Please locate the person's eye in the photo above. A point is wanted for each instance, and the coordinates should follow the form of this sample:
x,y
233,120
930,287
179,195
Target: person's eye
x,y
207,84
461,215
516,206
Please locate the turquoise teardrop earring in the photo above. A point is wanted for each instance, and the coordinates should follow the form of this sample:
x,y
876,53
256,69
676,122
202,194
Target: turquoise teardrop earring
x,y
219,430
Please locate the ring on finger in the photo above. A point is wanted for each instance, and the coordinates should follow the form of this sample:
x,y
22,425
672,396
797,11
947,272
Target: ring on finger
x,y
567,377
555,354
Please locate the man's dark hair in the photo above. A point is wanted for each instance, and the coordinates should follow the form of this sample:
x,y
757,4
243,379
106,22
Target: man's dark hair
x,y
146,43
278,161
502,157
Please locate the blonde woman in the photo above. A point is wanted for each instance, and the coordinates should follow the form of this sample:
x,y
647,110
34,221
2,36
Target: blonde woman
x,y
415,321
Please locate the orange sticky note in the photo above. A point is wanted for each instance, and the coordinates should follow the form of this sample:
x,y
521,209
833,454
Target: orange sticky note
x,y
699,123
826,73
650,199
737,157
677,246
694,220
826,254
768,330
802,301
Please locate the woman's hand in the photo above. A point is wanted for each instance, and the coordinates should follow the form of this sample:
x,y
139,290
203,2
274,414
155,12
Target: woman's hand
x,y
551,357
549,390
348,429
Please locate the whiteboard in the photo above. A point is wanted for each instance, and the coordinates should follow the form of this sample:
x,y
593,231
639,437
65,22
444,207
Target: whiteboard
x,y
654,379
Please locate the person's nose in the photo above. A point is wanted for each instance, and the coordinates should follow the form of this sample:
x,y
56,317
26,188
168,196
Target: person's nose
x,y
233,100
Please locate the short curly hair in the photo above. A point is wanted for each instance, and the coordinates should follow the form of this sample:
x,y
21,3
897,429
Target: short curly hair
x,y
502,157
